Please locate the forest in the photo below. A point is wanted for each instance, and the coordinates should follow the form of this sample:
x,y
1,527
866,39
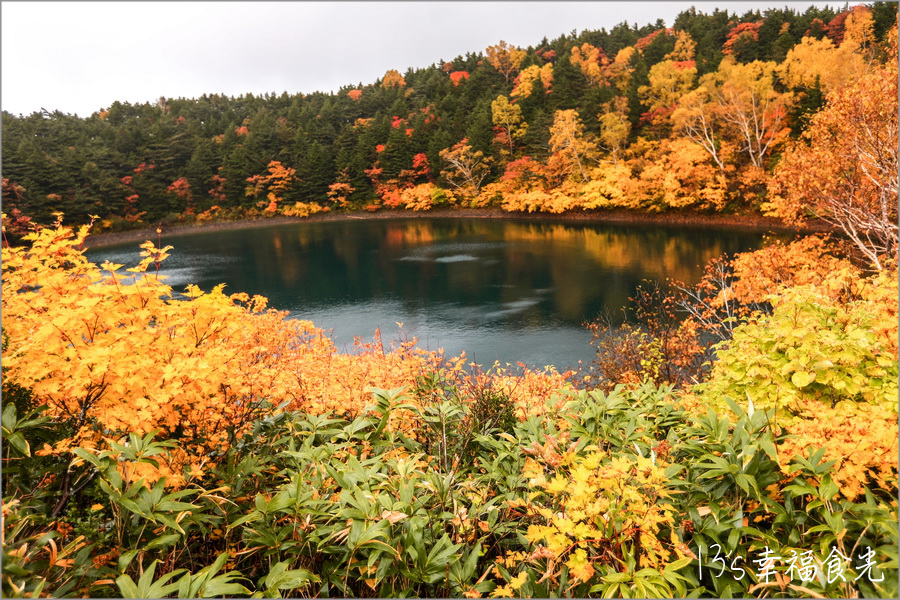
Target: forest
x,y
738,437
689,118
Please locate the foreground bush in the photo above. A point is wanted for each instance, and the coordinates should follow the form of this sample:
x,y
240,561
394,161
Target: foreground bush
x,y
619,495
236,454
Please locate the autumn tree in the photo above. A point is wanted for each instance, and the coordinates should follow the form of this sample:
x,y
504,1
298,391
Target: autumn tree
x,y
505,58
523,85
17,222
274,184
844,170
751,105
685,48
591,60
392,78
181,189
819,62
569,145
466,168
614,129
619,72
697,119
668,81
508,122
742,41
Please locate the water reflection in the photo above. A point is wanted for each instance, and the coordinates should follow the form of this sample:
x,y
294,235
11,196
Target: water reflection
x,y
500,289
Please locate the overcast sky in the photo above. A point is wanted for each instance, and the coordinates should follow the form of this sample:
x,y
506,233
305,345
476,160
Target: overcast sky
x,y
79,57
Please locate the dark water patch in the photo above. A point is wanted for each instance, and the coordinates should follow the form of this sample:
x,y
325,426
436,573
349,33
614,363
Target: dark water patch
x,y
507,290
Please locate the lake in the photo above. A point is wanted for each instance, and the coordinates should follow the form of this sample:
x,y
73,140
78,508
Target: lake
x,y
503,290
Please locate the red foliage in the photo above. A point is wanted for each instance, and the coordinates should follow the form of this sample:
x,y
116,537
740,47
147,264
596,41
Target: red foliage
x,y
420,164
684,65
447,67
457,76
181,189
409,131
379,148
522,170
374,174
546,55
218,190
429,116
645,41
816,28
127,180
657,114
242,130
397,122
741,32
835,29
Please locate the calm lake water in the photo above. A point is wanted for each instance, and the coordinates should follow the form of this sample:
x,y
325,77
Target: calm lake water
x,y
500,290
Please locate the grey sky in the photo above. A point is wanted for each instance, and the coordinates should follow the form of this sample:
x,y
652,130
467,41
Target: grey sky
x,y
78,57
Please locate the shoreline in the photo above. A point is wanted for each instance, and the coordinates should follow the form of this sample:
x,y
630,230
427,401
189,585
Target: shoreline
x,y
736,222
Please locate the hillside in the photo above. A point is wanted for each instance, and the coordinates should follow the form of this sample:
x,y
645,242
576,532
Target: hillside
x,y
644,118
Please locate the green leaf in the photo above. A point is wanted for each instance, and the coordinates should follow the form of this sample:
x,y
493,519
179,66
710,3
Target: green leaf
x,y
127,587
163,541
9,417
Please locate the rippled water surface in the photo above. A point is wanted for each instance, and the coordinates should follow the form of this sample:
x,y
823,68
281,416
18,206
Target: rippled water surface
x,y
504,290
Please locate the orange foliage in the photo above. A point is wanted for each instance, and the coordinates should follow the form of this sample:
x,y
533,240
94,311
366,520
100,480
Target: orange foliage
x,y
339,191
457,76
591,60
844,171
354,94
181,189
278,180
681,175
645,41
861,438
743,32
505,58
392,78
808,261
217,192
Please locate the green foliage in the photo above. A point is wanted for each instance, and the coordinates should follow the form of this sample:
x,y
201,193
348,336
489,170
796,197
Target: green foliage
x,y
324,506
808,348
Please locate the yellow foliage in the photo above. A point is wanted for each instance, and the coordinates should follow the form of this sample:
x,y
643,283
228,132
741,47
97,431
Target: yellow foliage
x,y
609,186
591,60
303,209
392,78
422,196
525,81
668,81
682,176
594,497
862,439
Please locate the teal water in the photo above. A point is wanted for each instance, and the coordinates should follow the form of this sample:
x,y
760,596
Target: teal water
x,y
500,290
